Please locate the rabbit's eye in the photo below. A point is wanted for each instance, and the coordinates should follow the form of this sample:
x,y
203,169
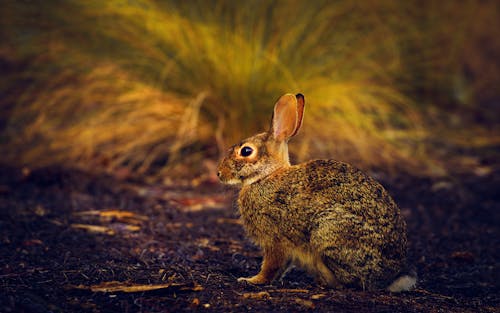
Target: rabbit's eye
x,y
246,151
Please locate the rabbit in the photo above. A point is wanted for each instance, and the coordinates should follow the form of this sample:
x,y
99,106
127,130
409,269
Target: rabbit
x,y
324,216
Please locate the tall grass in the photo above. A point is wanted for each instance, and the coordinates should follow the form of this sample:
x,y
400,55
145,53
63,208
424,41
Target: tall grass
x,y
142,83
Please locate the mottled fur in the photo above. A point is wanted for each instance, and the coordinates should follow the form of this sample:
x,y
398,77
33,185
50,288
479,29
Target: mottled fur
x,y
325,216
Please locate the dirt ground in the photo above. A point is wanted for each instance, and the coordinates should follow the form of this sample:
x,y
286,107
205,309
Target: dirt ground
x,y
71,241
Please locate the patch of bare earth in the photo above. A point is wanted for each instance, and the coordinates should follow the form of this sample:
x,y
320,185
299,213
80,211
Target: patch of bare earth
x,y
76,242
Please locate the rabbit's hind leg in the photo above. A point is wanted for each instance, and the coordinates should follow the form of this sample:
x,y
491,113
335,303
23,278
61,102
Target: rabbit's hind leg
x,y
350,266
314,265
324,276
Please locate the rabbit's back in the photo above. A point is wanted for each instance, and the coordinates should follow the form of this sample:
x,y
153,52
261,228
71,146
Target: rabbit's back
x,y
332,213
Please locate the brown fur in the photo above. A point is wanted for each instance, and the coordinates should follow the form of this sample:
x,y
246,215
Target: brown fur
x,y
325,216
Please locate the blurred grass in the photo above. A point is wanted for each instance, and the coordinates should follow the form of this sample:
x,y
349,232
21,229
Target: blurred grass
x,y
148,85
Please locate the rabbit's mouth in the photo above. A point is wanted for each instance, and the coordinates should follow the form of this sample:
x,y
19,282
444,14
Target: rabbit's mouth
x,y
241,180
237,180
228,179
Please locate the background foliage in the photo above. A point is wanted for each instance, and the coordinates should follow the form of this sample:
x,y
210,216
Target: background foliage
x,y
161,86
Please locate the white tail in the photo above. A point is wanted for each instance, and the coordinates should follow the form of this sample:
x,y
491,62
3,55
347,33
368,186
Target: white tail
x,y
403,283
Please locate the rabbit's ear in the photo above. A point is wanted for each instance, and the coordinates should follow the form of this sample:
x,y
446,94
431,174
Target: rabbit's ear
x,y
287,116
301,102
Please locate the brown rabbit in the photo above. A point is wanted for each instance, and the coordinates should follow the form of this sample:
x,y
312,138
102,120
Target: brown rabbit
x,y
323,215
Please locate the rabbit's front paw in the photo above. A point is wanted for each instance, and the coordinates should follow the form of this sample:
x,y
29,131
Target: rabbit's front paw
x,y
254,280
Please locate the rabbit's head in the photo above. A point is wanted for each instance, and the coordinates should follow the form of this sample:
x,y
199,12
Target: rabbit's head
x,y
260,155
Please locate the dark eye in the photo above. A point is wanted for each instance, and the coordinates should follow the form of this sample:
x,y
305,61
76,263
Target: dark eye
x,y
246,151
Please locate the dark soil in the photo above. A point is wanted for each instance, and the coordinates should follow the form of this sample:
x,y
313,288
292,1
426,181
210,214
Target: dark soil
x,y
189,240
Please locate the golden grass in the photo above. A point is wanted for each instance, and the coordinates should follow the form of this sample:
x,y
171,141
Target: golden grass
x,y
127,84
90,119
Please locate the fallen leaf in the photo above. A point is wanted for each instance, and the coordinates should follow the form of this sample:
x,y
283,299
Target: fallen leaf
x,y
307,303
441,185
40,210
482,171
318,296
291,290
132,228
195,303
125,227
464,256
257,295
56,222
116,286
94,228
32,242
195,288
179,225
119,214
91,212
